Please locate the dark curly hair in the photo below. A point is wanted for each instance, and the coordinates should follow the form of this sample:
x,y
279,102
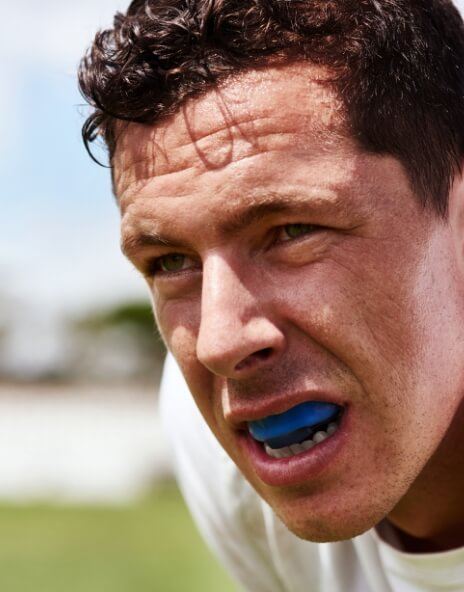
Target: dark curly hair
x,y
398,66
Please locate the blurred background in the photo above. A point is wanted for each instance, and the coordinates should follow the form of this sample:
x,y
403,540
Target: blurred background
x,y
87,500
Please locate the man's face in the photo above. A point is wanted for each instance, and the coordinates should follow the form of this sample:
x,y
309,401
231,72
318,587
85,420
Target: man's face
x,y
286,265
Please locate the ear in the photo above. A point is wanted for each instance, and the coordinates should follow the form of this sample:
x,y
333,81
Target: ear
x,y
456,216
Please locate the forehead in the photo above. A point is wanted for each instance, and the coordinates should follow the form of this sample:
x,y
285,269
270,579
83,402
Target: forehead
x,y
254,113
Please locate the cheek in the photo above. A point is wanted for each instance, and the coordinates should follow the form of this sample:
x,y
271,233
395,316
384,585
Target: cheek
x,y
360,310
345,305
393,321
179,322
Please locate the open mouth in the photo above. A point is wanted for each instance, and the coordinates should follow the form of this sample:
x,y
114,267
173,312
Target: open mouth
x,y
297,430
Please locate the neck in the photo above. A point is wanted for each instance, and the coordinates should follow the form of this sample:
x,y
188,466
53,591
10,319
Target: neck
x,y
430,517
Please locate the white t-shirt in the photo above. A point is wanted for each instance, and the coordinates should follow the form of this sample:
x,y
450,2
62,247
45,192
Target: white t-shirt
x,y
257,548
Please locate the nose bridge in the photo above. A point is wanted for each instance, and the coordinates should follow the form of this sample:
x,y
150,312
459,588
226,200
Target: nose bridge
x,y
226,301
234,326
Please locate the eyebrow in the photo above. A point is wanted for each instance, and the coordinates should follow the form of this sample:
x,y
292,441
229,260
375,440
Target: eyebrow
x,y
270,204
135,242
254,212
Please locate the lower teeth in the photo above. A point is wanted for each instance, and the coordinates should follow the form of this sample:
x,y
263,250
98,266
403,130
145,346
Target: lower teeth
x,y
295,449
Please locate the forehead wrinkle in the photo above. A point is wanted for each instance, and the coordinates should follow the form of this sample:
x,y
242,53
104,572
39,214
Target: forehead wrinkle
x,y
325,190
226,112
158,137
232,126
152,158
139,185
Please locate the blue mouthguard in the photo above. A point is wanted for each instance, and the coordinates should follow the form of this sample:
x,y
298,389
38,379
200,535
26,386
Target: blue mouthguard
x,y
304,415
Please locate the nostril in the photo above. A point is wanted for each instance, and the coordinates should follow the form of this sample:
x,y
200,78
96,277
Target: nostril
x,y
258,356
263,354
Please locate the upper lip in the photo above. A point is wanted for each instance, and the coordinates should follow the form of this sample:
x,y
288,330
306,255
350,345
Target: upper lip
x,y
242,412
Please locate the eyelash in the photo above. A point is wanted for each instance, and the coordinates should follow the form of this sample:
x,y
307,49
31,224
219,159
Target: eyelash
x,y
310,228
154,266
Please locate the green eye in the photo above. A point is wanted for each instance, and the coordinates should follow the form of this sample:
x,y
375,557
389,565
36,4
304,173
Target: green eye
x,y
297,230
172,263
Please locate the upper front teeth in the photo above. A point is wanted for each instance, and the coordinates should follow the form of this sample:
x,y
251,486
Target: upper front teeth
x,y
295,449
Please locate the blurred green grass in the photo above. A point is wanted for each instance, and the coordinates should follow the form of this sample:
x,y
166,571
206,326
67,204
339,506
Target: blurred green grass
x,y
150,546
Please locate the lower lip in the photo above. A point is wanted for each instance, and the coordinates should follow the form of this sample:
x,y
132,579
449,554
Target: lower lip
x,y
298,469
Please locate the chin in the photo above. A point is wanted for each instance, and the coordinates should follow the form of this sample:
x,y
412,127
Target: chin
x,y
327,532
332,525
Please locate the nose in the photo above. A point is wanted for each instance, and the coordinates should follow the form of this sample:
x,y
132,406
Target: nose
x,y
237,336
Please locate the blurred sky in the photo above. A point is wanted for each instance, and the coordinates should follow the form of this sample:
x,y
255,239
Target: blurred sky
x,y
59,244
58,227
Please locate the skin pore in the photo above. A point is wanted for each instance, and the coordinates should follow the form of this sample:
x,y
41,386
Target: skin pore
x,y
283,262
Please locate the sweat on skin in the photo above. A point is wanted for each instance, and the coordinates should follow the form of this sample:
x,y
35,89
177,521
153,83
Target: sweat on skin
x,y
364,308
